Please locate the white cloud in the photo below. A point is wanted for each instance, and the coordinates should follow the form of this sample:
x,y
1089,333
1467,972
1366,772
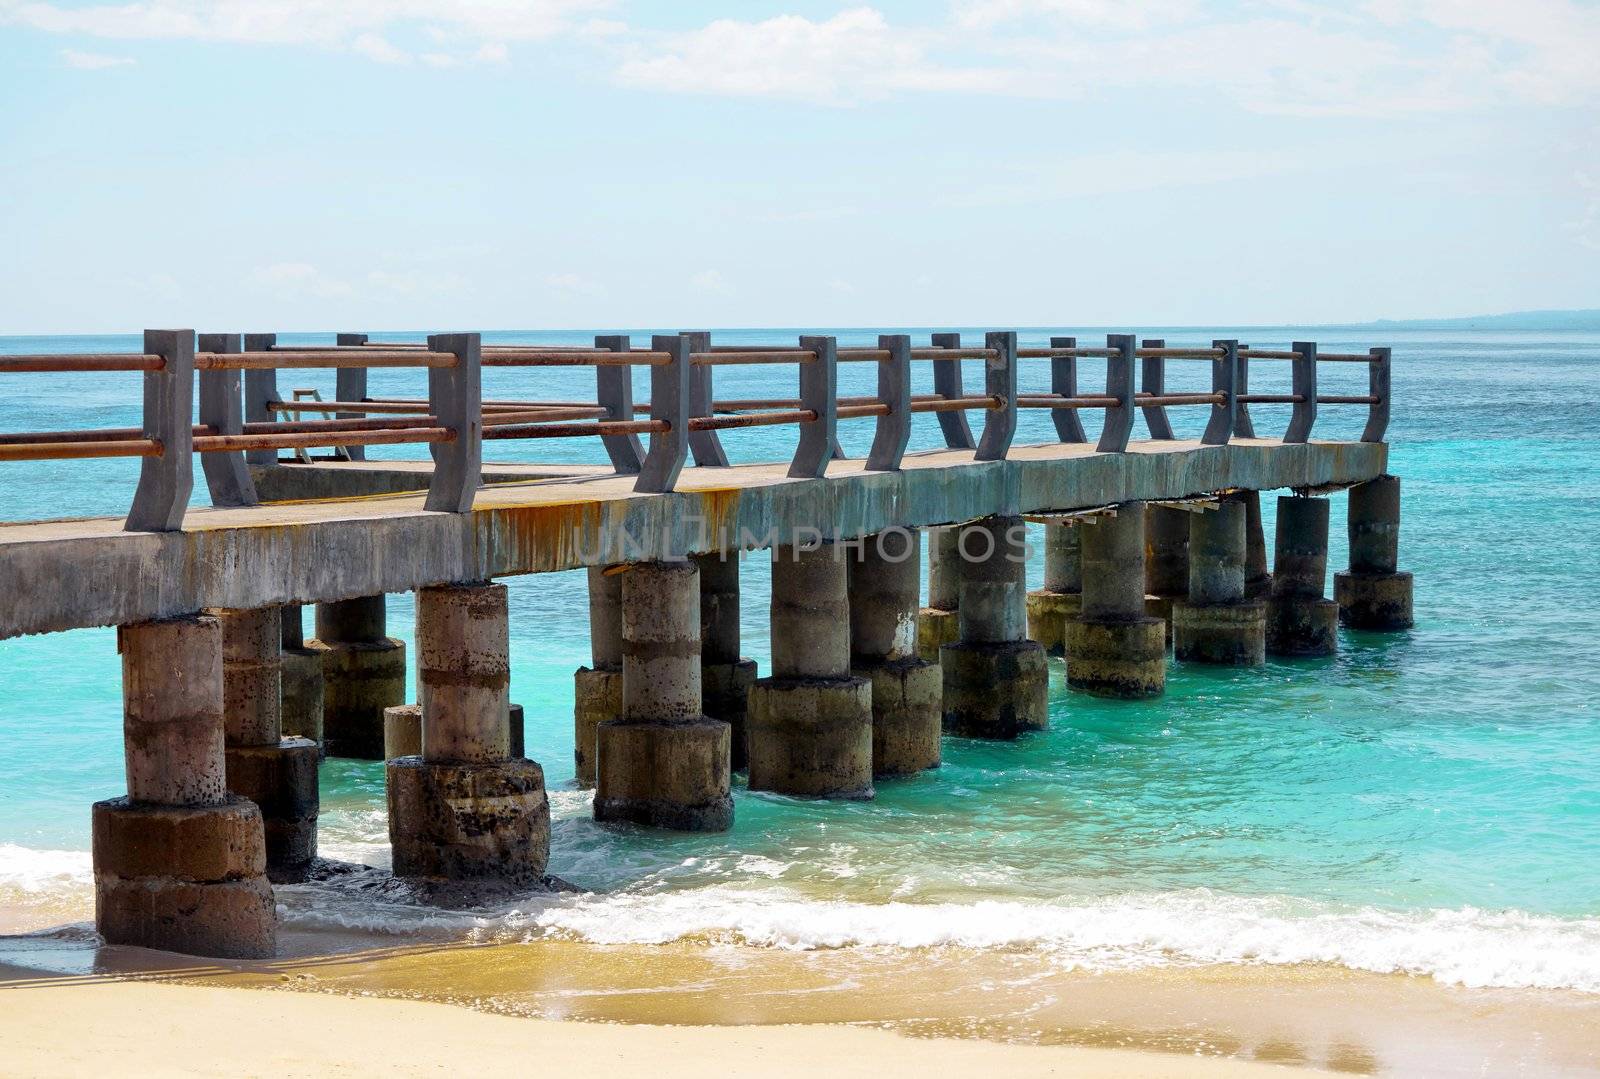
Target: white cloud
x,y
300,279
93,61
573,284
379,49
711,282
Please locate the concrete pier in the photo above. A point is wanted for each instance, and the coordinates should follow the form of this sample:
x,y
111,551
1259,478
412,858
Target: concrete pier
x,y
907,690
278,774
1301,621
811,721
1114,649
1374,593
1217,623
402,731
465,809
938,623
363,672
180,863
996,681
663,763
301,681
597,689
1257,574
725,675
1061,597
1166,561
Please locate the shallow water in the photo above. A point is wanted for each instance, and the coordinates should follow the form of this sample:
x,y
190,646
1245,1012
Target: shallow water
x,y
1426,802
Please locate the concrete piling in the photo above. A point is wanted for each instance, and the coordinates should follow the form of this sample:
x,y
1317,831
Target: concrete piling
x,y
938,623
180,863
1301,621
885,578
1257,575
1114,649
363,672
1166,561
1062,595
465,809
996,681
277,773
301,669
402,731
663,763
1217,623
597,689
1374,594
725,675
810,723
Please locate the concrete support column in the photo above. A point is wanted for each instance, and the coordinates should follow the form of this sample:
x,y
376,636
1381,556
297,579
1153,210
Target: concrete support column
x,y
1114,648
1257,575
1374,594
278,774
938,623
301,669
1217,624
725,675
597,695
1166,561
363,672
996,681
1062,594
811,722
907,690
1301,621
180,863
402,731
465,809
663,763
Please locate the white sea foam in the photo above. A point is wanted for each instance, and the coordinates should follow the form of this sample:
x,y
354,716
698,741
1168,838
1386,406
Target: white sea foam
x,y
40,872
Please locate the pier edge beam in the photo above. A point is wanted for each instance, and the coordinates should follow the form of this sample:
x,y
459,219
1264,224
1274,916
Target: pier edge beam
x,y
938,624
465,809
1114,649
663,763
597,688
1217,623
179,863
885,579
277,773
811,722
1166,561
1061,597
725,675
996,681
301,702
363,672
1301,620
1375,594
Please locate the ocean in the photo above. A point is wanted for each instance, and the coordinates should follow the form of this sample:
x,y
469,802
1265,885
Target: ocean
x,y
1426,803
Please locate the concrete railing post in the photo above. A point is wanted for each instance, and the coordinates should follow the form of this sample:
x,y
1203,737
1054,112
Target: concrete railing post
x,y
1378,387
947,383
725,675
1064,381
1243,426
301,668
350,384
363,672
1153,379
260,394
1217,623
1166,561
165,481
893,432
1301,621
180,863
939,624
1224,375
996,681
704,446
669,403
455,398
597,695
222,407
465,809
907,690
663,763
278,774
811,722
1375,594
1114,649
819,393
1060,599
1304,414
614,393
999,381
1119,384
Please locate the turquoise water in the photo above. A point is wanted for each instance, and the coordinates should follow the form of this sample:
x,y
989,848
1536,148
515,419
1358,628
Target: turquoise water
x,y
1426,801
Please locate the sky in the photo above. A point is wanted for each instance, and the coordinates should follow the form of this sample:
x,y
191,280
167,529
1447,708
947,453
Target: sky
x,y
522,164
